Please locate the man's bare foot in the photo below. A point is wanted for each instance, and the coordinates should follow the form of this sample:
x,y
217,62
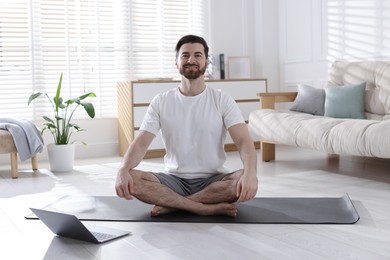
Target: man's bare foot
x,y
228,209
160,210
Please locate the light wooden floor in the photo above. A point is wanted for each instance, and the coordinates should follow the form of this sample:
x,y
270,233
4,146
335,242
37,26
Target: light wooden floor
x,y
297,172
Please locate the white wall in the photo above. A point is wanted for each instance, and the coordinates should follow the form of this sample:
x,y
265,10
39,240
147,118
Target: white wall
x,y
247,28
267,41
303,43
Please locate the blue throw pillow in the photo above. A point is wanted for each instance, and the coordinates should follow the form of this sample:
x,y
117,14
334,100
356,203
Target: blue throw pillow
x,y
345,101
309,100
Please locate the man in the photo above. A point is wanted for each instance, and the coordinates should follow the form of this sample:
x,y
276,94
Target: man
x,y
193,120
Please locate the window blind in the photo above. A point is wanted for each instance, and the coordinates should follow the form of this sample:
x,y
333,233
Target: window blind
x,y
358,29
94,43
156,27
87,41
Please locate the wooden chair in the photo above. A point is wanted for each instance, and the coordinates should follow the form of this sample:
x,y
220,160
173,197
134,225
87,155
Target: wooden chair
x,y
7,145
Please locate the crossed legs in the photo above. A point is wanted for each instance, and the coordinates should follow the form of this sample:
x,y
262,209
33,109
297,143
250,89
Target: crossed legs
x,y
216,199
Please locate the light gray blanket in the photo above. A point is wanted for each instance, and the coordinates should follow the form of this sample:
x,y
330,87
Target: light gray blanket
x,y
26,135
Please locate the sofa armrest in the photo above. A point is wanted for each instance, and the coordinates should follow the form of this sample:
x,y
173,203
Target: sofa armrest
x,y
268,100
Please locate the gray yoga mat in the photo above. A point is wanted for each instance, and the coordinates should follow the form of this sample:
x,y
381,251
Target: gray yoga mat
x,y
266,210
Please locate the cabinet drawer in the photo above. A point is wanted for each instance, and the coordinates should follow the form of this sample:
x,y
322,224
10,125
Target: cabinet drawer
x,y
139,113
145,92
240,89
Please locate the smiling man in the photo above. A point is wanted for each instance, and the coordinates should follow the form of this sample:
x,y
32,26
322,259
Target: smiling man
x,y
194,120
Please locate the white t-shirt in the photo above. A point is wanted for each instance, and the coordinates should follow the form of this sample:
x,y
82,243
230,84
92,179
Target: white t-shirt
x,y
193,130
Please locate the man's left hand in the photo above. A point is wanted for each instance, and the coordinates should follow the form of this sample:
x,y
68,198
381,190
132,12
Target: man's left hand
x,y
247,186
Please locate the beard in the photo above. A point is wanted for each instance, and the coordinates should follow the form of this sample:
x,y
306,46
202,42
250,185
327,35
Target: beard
x,y
192,74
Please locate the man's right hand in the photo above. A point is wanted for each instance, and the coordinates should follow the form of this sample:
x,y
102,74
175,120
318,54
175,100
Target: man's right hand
x,y
124,184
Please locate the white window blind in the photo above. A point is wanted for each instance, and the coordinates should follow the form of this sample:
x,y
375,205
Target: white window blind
x,y
156,27
94,44
85,40
358,29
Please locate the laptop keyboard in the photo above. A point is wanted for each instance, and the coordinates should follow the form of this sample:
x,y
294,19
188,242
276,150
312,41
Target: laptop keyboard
x,y
102,236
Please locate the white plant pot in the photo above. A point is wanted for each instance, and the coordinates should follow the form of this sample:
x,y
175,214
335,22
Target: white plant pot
x,y
61,157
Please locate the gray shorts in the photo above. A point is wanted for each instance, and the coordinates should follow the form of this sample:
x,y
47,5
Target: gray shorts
x,y
186,187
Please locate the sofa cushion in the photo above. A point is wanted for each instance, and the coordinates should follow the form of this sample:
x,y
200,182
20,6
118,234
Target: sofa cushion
x,y
345,101
309,100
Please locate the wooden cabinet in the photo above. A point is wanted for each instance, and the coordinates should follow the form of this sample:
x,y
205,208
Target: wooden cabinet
x,y
134,98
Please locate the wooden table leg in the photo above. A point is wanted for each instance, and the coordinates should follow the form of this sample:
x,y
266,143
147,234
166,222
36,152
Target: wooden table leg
x,y
14,165
34,163
267,151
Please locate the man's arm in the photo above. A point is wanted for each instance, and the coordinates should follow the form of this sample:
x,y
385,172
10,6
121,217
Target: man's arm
x,y
133,156
247,184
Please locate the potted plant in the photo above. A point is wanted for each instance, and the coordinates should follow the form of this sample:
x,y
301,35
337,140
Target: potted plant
x,y
61,152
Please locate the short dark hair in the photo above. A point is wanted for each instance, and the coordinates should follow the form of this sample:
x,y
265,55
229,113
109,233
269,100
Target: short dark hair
x,y
192,39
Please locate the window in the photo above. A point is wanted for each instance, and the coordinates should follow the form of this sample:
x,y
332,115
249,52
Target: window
x,y
358,29
94,44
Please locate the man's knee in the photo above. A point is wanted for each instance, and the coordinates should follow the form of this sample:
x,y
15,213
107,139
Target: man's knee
x,y
140,177
232,181
135,174
234,176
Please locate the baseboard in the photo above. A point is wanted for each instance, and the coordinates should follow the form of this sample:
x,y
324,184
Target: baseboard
x,y
82,152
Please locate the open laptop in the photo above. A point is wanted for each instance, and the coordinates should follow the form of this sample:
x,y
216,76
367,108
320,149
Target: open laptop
x,y
70,226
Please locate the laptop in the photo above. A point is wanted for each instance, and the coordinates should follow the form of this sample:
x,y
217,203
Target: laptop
x,y
70,226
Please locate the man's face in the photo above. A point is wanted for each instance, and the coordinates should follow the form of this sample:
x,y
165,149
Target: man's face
x,y
191,60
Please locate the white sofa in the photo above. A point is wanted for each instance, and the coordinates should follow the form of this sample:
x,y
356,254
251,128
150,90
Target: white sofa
x,y
362,137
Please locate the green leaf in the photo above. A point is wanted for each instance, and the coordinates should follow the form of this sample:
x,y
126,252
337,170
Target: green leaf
x,y
33,96
89,108
75,141
57,97
48,119
71,101
50,126
78,128
74,126
90,94
43,130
